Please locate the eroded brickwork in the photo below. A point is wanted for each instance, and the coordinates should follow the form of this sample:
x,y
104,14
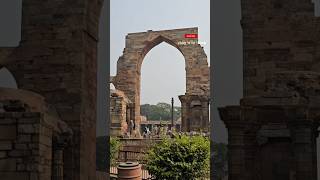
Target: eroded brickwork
x,y
272,134
120,109
57,58
25,152
28,133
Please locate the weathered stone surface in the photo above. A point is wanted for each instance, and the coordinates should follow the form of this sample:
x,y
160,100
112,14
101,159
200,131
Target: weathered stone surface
x,y
119,113
8,165
14,175
59,46
5,145
272,133
3,154
194,113
139,44
8,132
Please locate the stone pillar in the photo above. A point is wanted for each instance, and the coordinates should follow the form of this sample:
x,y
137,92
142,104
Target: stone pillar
x,y
132,114
205,113
58,163
236,142
250,149
184,115
59,144
303,141
190,113
236,150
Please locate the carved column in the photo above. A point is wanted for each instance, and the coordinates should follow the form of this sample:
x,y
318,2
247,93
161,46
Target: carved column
x,y
59,143
184,115
236,152
303,140
236,142
205,113
58,163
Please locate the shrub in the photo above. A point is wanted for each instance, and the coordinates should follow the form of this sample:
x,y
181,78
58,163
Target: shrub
x,y
182,157
114,149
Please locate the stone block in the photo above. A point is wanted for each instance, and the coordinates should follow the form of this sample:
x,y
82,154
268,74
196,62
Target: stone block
x,y
7,121
34,176
21,146
8,165
3,154
24,138
14,175
8,132
26,128
28,120
19,153
5,145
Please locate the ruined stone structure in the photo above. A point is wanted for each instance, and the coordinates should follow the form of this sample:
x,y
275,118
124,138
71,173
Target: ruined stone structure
x,y
57,59
195,111
272,134
120,113
32,137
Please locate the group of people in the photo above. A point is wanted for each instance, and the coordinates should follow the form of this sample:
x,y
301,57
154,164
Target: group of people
x,y
133,131
158,132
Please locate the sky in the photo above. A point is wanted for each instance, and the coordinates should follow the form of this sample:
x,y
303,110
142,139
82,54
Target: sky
x,y
163,70
163,74
10,34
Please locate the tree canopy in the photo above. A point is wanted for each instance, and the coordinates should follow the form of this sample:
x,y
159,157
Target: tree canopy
x,y
160,111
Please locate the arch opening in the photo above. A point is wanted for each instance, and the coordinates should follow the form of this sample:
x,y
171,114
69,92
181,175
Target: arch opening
x,y
7,80
112,86
163,77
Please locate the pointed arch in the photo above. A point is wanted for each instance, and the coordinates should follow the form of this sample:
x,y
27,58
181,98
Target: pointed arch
x,y
165,65
153,43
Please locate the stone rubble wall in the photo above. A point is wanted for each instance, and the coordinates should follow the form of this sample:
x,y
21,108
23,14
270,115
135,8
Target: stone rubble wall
x,y
277,120
278,36
118,113
25,143
57,58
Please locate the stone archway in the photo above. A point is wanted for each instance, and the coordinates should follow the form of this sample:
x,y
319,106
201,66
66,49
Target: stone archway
x,y
196,65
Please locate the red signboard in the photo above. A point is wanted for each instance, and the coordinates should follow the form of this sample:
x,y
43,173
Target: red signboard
x,y
192,36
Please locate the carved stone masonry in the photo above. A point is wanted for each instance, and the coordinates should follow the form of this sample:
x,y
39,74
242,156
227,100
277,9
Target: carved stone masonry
x,y
59,144
272,134
271,141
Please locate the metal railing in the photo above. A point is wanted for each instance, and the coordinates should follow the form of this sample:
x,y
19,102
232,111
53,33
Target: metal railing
x,y
128,155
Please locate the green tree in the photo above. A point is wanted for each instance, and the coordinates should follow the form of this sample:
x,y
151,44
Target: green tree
x,y
180,158
114,149
160,111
